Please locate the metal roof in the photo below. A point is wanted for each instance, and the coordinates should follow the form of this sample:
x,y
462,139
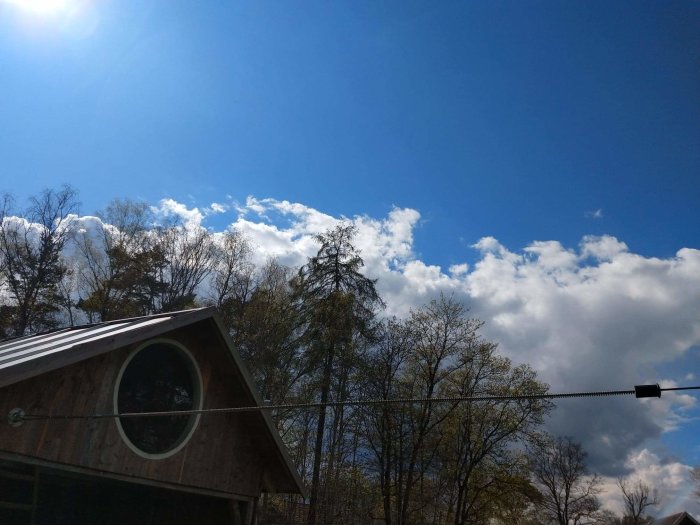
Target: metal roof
x,y
682,518
32,355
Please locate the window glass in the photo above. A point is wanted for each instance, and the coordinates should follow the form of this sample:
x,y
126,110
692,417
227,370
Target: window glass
x,y
158,378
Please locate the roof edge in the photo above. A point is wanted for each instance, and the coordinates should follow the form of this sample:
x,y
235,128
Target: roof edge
x,y
27,368
248,381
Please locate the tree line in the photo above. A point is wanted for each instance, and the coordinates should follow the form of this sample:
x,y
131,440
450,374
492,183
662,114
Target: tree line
x,y
318,334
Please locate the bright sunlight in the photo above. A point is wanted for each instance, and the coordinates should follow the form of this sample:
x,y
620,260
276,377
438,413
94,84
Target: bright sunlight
x,y
43,7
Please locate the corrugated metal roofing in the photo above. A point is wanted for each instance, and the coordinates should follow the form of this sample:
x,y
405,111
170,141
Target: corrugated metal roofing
x,y
35,354
42,345
682,518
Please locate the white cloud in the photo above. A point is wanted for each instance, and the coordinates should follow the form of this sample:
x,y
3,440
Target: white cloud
x,y
216,207
254,205
269,241
596,316
304,220
594,214
459,270
552,256
167,208
601,323
670,477
602,248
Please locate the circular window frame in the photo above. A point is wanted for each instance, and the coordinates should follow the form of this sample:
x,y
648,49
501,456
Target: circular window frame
x,y
197,405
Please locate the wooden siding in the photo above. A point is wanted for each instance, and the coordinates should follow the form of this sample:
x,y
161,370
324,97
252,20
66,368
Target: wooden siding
x,y
230,453
32,355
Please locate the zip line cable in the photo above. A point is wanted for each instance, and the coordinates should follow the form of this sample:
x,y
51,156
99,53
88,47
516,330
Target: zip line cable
x,y
17,416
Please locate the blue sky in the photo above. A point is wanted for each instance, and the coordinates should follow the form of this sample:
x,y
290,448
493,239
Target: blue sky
x,y
512,120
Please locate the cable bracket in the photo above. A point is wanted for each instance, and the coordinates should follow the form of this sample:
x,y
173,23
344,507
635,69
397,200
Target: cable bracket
x,y
15,417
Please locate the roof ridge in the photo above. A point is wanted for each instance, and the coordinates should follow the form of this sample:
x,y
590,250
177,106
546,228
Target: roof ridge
x,y
105,323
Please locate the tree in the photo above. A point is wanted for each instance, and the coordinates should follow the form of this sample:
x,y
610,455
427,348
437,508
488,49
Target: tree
x,y
455,460
508,499
338,305
188,256
559,471
637,497
607,517
119,263
67,291
480,455
383,425
441,334
31,261
267,333
232,271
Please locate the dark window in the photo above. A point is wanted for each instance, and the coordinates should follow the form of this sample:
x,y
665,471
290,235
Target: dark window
x,y
158,378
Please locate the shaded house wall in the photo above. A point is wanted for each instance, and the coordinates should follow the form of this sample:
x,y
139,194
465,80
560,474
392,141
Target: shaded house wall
x,y
64,498
229,456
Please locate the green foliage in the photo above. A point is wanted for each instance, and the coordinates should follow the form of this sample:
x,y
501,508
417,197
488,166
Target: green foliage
x,y
465,451
129,287
337,305
307,335
135,268
265,330
120,267
336,300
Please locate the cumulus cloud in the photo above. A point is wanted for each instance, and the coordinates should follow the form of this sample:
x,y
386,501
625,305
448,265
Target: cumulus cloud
x,y
587,317
170,208
670,477
595,316
252,204
602,248
216,207
458,270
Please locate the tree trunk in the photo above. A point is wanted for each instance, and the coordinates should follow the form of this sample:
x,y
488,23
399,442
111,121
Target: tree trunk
x,y
318,447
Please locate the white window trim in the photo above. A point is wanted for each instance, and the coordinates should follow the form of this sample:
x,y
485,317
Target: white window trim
x,y
197,405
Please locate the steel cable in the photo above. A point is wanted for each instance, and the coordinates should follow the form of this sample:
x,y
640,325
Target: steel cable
x,y
19,415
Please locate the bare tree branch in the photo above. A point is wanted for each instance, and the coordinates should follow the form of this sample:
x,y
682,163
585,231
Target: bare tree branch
x,y
637,497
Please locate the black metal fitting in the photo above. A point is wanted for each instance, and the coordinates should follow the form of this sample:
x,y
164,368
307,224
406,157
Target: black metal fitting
x,y
647,391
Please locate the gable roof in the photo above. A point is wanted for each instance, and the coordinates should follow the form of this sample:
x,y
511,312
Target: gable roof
x,y
682,518
33,355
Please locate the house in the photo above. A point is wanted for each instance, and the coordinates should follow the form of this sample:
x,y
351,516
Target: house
x,y
196,468
682,518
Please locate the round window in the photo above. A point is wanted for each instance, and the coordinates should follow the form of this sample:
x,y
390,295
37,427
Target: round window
x,y
160,377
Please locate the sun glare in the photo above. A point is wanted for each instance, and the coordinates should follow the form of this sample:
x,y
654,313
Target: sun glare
x,y
40,6
75,19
